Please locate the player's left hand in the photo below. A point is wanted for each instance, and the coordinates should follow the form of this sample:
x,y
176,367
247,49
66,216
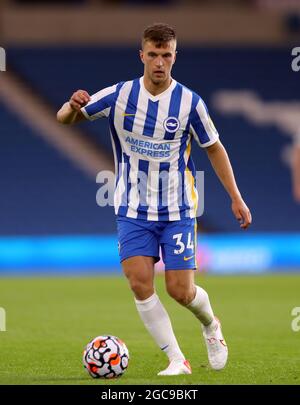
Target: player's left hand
x,y
241,212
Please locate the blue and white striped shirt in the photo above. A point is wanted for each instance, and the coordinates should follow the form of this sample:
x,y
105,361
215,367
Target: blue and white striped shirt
x,y
151,139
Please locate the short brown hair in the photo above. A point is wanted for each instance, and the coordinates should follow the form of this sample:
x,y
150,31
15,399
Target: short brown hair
x,y
159,33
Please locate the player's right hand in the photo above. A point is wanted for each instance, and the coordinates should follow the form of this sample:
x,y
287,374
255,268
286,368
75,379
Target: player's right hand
x,y
79,99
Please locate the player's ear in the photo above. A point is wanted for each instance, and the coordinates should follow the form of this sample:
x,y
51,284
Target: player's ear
x,y
142,55
175,57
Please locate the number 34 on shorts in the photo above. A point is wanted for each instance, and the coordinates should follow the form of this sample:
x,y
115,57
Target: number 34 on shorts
x,y
178,245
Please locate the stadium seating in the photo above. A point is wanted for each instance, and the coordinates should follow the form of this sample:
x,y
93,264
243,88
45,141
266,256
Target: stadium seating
x,y
42,193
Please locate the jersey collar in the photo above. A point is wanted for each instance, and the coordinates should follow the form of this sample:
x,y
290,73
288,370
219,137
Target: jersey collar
x,y
161,95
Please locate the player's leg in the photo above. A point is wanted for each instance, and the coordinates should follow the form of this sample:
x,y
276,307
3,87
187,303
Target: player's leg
x,y
180,285
140,273
135,241
179,248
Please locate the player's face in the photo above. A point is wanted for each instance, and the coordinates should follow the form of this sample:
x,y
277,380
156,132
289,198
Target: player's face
x,y
158,61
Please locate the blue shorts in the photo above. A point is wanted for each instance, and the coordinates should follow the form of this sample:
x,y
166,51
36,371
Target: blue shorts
x,y
177,240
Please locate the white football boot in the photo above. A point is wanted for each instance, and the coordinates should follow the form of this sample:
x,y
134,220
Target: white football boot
x,y
216,346
177,367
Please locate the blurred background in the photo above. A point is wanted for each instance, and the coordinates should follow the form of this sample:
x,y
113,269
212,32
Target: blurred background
x,y
236,54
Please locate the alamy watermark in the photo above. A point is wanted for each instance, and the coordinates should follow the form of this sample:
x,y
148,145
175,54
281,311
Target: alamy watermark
x,y
147,189
295,324
296,59
2,320
2,60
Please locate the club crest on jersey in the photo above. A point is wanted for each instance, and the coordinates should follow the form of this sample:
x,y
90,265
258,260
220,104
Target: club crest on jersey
x,y
171,124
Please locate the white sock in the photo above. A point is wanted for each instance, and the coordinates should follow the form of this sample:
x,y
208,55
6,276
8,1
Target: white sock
x,y
201,308
157,322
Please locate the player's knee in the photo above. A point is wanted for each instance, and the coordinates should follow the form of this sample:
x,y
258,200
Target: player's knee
x,y
141,289
182,295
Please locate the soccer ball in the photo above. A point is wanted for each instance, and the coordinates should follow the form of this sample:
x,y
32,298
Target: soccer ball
x,y
106,357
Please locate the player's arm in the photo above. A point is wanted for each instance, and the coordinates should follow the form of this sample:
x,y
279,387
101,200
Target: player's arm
x,y
70,112
222,166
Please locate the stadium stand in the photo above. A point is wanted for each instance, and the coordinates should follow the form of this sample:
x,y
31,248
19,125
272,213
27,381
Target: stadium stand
x,y
42,192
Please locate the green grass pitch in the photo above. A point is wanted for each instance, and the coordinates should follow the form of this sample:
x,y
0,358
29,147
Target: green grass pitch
x,y
49,321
